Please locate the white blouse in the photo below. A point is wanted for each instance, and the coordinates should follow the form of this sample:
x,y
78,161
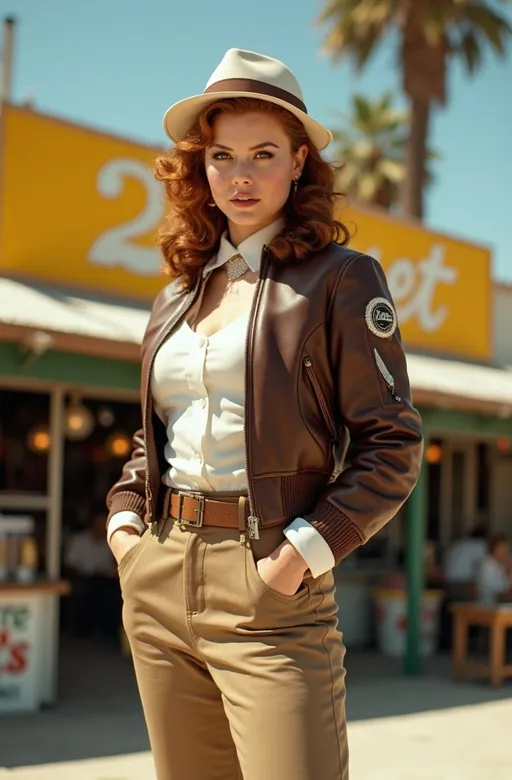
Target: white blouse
x,y
198,392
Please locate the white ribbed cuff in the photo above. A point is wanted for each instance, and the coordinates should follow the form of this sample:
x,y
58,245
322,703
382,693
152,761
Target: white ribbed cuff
x,y
124,519
311,545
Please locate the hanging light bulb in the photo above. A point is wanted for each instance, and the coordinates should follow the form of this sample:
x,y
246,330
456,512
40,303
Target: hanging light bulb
x,y
118,445
433,454
79,422
38,439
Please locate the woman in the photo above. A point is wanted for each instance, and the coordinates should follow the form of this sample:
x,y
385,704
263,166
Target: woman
x,y
271,345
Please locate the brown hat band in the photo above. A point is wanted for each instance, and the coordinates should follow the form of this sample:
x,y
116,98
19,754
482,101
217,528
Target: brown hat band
x,y
253,85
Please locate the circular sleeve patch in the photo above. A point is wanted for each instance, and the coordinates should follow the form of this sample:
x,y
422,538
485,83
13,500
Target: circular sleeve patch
x,y
381,318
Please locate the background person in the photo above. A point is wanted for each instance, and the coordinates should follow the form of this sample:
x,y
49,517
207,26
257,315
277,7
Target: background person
x,y
95,603
493,581
462,561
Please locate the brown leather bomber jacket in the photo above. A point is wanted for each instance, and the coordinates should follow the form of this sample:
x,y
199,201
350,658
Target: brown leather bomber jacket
x,y
319,371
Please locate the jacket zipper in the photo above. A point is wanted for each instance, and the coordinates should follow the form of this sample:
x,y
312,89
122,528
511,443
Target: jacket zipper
x,y
253,522
320,395
189,301
387,377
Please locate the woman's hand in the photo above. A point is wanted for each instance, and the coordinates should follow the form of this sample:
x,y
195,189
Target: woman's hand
x,y
121,541
283,570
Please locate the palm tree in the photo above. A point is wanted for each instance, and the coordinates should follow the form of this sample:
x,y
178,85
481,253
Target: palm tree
x,y
371,145
430,33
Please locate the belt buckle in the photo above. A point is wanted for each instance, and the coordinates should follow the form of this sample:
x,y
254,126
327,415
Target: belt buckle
x,y
198,522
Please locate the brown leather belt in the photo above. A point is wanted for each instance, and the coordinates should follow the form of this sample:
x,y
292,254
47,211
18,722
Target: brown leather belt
x,y
194,509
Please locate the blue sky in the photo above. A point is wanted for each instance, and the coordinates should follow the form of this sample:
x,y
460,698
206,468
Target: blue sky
x,y
118,65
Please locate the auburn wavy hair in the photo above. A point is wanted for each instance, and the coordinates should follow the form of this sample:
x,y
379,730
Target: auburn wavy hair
x,y
191,230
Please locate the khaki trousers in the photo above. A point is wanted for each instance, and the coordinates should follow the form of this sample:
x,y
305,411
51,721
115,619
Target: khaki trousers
x,y
236,680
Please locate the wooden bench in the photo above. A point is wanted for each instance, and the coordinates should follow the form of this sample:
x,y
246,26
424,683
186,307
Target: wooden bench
x,y
497,618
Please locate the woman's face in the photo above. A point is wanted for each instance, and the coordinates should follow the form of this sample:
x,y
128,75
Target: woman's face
x,y
250,167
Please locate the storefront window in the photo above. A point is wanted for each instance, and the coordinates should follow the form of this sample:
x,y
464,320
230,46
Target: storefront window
x,y
435,467
24,441
483,478
92,464
458,493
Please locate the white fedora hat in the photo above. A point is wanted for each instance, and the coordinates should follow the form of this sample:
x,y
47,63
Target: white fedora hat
x,y
246,74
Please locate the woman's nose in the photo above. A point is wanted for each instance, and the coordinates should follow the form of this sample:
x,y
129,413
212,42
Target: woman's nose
x,y
241,175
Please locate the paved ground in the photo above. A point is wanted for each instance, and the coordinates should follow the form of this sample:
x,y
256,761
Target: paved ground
x,y
400,728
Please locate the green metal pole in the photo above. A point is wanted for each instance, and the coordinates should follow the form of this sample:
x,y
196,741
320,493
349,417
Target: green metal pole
x,y
416,511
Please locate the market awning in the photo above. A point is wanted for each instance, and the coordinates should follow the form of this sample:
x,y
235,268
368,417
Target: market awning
x,y
92,324
76,321
451,383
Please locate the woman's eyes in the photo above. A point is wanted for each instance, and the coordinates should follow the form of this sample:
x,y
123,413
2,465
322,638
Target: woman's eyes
x,y
262,155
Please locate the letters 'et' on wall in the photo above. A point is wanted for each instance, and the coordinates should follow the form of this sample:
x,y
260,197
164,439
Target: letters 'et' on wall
x,y
441,286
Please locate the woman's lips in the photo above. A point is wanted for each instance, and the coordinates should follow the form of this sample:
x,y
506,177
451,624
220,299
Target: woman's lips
x,y
244,202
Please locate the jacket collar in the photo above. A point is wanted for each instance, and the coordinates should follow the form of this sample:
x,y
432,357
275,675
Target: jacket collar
x,y
250,249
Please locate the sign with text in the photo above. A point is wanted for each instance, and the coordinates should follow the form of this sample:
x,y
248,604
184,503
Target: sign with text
x,y
18,666
79,207
436,282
